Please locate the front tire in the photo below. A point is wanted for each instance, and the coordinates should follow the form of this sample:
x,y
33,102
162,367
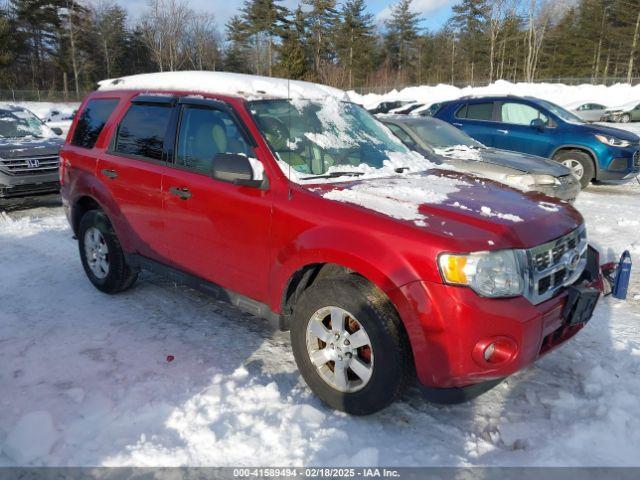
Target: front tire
x,y
102,257
350,345
579,163
626,118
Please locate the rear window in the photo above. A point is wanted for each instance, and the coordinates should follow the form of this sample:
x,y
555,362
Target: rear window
x,y
92,121
142,131
477,111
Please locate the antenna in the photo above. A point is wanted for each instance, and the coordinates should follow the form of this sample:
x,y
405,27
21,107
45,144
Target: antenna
x,y
289,140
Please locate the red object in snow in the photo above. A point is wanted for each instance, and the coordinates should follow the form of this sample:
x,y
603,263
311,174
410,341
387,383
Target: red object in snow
x,y
170,358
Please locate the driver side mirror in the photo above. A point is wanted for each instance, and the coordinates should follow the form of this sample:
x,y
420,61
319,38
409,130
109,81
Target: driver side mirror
x,y
235,168
538,124
56,130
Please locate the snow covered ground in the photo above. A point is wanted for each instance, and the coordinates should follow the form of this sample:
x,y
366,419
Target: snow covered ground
x,y
87,378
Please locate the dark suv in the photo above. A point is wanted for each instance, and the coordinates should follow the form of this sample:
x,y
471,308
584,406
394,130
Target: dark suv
x,y
28,153
535,126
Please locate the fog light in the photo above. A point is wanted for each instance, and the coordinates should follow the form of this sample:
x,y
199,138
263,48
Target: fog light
x,y
488,352
495,351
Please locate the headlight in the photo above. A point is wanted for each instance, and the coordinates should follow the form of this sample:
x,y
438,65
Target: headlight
x,y
490,274
533,180
612,141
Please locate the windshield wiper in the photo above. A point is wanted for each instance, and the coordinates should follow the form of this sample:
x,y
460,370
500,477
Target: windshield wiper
x,y
335,175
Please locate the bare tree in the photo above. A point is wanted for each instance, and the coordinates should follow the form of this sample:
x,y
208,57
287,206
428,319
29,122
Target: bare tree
x,y
634,50
204,41
164,33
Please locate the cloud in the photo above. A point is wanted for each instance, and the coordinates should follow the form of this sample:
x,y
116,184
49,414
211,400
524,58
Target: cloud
x,y
419,6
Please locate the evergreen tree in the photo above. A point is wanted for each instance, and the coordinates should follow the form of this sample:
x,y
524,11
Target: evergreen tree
x,y
237,55
322,19
470,21
402,35
293,58
355,42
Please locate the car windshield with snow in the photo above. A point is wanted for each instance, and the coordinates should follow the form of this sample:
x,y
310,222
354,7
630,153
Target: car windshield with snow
x,y
28,153
295,205
327,138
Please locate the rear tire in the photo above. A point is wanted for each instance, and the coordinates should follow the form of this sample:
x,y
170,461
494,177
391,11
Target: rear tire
x,y
101,254
580,163
358,377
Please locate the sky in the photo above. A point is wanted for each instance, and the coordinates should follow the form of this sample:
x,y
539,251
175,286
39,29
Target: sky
x,y
434,12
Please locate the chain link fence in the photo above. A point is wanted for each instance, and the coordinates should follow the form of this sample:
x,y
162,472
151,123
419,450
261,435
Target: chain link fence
x,y
11,95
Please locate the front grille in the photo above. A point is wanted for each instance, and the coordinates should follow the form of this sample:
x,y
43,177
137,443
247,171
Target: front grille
x,y
31,165
556,264
636,158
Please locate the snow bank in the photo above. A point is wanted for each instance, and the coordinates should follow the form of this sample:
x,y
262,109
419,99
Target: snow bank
x,y
223,83
555,92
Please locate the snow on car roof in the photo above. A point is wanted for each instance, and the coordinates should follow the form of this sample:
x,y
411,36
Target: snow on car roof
x,y
226,83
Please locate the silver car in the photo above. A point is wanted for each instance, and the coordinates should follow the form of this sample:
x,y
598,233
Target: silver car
x,y
589,112
440,141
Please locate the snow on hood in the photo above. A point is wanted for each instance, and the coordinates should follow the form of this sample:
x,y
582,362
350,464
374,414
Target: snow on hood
x,y
399,197
454,205
462,152
250,86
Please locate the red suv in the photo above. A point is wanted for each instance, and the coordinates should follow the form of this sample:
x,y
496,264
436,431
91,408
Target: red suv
x,y
298,206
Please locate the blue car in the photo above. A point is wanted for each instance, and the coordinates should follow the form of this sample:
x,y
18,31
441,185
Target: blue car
x,y
539,127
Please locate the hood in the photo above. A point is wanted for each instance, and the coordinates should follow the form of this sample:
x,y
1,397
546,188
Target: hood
x,y
611,131
14,148
472,212
523,162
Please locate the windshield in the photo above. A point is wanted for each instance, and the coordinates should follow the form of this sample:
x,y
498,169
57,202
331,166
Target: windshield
x,y
21,124
442,135
557,110
317,138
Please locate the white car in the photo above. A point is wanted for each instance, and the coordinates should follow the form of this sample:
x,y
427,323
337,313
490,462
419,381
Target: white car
x,y
629,112
588,111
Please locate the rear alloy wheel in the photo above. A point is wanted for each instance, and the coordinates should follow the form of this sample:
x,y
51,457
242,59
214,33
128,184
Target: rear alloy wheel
x,y
626,118
102,257
350,345
579,163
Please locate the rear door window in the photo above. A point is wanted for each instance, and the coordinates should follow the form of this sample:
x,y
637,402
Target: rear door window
x,y
92,120
142,130
477,111
520,113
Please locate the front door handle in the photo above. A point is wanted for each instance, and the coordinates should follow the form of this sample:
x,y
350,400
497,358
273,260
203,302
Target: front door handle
x,y
457,124
110,173
182,192
503,131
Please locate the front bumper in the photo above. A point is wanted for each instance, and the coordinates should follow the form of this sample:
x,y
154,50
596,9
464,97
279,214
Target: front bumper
x,y
455,322
22,185
568,189
621,164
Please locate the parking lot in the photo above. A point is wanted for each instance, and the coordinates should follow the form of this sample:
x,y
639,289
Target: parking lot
x,y
162,375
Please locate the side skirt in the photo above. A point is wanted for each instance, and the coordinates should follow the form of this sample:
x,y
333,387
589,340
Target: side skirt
x,y
245,304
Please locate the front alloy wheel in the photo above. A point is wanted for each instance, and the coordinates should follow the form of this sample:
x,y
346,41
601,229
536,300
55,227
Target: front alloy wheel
x,y
575,166
350,345
96,252
340,349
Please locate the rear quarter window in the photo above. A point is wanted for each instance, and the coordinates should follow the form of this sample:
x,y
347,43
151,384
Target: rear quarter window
x,y
142,131
92,120
476,111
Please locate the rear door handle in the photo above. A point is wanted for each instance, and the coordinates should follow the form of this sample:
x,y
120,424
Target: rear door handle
x,y
503,131
457,124
110,173
183,192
